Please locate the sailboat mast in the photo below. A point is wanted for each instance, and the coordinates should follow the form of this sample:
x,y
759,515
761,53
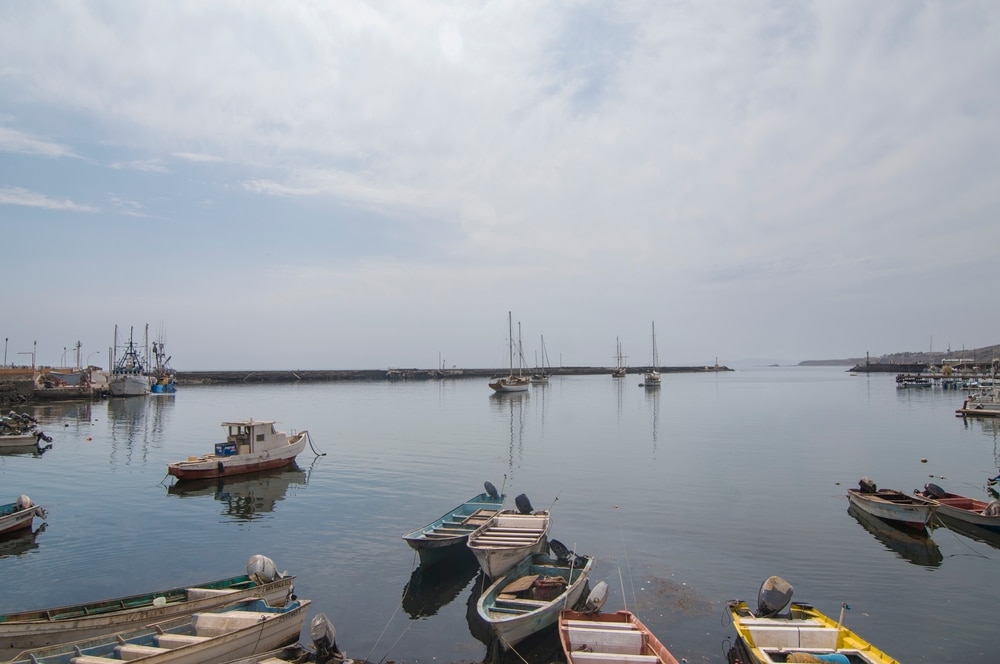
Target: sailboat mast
x,y
510,338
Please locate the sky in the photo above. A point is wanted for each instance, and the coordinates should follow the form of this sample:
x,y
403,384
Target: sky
x,y
363,185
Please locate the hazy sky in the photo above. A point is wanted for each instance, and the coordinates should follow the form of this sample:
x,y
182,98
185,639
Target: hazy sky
x,y
337,184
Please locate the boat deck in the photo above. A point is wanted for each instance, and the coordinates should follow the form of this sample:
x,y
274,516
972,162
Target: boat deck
x,y
605,642
458,525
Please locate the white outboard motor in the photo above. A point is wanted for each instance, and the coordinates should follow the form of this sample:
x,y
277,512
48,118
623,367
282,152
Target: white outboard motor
x,y
22,503
491,490
324,638
774,595
596,599
262,569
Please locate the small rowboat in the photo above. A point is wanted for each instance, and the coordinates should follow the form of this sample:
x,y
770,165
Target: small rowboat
x,y
906,509
236,630
803,634
530,596
951,506
19,514
509,537
609,638
448,535
45,627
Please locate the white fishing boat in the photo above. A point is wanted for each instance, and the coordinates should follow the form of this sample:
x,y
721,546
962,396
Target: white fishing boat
x,y
591,637
906,509
19,514
509,537
50,626
511,382
530,596
128,375
250,446
20,431
542,372
207,637
652,377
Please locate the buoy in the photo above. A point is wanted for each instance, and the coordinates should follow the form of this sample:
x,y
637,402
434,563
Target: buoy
x,y
89,438
923,461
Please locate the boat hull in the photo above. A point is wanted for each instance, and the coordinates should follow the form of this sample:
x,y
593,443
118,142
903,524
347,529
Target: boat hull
x,y
510,384
507,539
19,439
11,521
128,385
602,638
968,510
210,465
906,509
510,619
803,630
48,627
447,536
240,631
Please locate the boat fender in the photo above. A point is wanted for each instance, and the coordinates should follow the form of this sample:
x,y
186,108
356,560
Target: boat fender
x,y
262,569
596,599
221,467
523,504
491,490
934,491
324,638
867,485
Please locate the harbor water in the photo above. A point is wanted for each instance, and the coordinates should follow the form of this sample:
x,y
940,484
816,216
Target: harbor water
x,y
687,496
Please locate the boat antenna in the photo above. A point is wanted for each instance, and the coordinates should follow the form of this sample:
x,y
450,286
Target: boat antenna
x,y
554,504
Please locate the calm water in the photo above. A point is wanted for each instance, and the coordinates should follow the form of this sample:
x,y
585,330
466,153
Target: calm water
x,y
687,496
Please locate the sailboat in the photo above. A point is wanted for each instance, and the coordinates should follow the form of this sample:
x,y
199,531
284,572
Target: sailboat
x,y
541,375
619,370
652,378
511,383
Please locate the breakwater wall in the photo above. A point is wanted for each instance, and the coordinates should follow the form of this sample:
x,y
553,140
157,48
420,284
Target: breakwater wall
x,y
322,375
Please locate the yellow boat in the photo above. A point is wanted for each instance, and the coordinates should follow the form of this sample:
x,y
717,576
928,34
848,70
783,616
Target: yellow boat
x,y
802,634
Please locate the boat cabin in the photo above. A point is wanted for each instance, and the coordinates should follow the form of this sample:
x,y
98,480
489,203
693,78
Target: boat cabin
x,y
249,437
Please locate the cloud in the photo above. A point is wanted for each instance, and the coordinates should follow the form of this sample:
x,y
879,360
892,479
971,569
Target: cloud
x,y
144,165
25,198
23,143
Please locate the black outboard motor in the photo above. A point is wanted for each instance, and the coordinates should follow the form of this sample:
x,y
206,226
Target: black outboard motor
x,y
523,504
867,485
562,553
774,595
491,490
324,638
934,491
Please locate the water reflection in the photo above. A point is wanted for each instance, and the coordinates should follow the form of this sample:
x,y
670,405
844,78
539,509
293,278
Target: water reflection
x,y
653,397
244,497
432,587
127,428
912,546
31,449
19,543
512,403
968,530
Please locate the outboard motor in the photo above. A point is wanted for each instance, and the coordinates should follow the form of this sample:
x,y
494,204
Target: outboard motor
x,y
562,553
934,491
324,638
774,595
262,569
867,485
491,490
523,504
22,503
596,599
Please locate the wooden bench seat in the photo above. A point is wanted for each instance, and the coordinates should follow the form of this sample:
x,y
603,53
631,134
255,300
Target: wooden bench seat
x,y
618,641
597,624
91,659
130,651
177,640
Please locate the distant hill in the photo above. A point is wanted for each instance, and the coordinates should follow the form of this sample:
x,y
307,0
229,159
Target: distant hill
x,y
983,355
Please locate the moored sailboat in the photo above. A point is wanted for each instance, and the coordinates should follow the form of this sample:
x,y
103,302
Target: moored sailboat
x,y
510,382
652,377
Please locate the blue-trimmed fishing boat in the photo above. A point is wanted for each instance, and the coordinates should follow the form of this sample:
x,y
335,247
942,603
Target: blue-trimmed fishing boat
x,y
447,536
236,630
19,515
46,627
529,597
